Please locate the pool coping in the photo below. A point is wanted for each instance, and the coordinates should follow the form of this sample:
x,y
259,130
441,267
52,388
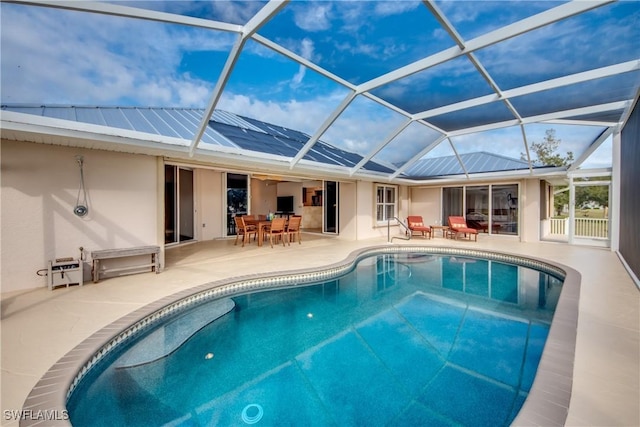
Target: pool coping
x,y
547,403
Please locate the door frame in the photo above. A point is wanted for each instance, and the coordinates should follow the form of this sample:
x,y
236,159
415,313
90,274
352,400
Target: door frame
x,y
333,200
177,207
579,240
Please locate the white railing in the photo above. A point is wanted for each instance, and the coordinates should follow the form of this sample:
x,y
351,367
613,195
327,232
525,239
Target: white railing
x,y
592,227
559,226
584,227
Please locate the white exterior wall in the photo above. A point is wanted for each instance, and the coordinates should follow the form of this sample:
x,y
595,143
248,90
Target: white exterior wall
x,y
364,210
366,215
125,192
348,204
40,185
209,194
530,222
427,203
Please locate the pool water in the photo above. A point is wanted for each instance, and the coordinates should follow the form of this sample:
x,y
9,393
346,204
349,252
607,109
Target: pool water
x,y
404,339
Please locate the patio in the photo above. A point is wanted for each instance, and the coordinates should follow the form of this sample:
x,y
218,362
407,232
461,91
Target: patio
x,y
40,326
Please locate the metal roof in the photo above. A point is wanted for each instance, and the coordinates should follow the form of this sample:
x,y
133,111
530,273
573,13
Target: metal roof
x,y
469,163
231,130
397,90
224,129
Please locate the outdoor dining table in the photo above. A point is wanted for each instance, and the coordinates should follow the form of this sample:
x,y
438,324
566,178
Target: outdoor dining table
x,y
260,224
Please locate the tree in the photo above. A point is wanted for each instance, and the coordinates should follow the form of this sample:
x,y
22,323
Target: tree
x,y
546,151
560,199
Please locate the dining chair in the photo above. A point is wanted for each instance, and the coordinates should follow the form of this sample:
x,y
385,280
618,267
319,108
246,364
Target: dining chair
x,y
244,230
293,229
277,228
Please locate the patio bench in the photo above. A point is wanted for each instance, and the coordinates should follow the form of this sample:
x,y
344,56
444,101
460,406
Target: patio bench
x,y
104,254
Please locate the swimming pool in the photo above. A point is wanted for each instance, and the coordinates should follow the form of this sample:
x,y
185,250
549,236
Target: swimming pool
x,y
380,345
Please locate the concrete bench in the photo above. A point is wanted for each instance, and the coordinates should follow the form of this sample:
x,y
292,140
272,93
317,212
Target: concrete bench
x,y
104,254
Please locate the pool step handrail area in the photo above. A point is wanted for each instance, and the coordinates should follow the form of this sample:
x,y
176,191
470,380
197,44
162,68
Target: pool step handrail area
x,y
406,229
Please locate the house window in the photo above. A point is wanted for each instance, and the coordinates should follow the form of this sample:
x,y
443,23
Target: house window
x,y
386,202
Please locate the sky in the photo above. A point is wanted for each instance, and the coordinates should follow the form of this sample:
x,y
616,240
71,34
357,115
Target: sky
x,y
55,56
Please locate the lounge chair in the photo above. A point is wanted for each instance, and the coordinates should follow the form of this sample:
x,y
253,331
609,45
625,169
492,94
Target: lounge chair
x,y
244,230
458,227
415,224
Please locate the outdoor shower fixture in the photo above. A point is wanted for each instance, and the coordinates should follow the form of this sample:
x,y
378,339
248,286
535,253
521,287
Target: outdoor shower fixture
x,y
81,208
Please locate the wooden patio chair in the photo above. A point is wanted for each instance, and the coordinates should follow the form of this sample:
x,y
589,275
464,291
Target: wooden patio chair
x,y
244,230
458,226
277,228
293,229
415,224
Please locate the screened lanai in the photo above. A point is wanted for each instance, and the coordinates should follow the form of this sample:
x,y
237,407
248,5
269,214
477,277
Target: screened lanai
x,y
431,103
387,90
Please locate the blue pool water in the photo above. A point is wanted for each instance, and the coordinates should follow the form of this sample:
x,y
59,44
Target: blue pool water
x,y
404,339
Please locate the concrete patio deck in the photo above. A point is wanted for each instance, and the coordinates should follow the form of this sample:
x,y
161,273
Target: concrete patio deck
x,y
40,326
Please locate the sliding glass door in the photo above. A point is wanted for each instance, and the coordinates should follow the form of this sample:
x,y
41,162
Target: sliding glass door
x,y
237,199
452,198
178,204
330,207
487,208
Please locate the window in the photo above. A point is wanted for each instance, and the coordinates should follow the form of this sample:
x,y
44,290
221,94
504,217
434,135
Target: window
x,y
386,202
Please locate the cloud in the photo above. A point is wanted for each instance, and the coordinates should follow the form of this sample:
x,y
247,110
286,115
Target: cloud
x,y
505,142
568,46
307,53
52,56
237,12
313,16
303,116
388,8
602,157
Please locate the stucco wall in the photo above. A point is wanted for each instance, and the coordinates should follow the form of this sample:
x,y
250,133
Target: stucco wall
x,y
530,221
39,190
365,202
427,203
347,213
210,214
263,197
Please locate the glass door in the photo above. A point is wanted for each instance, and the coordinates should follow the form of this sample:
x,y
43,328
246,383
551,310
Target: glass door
x,y
504,218
178,204
237,199
330,207
451,203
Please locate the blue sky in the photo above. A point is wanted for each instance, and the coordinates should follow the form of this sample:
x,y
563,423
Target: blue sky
x,y
53,56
